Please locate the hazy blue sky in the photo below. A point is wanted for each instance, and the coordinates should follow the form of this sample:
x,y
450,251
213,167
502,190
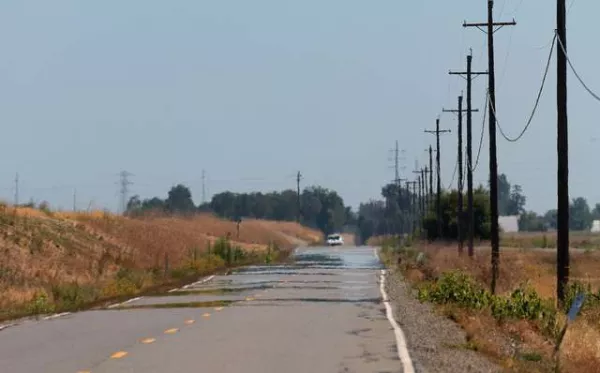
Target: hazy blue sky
x,y
253,91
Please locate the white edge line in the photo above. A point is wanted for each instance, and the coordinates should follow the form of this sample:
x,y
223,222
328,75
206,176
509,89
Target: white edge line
x,y
401,346
55,316
122,303
6,326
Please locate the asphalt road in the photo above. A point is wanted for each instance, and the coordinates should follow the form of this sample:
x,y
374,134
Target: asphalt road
x,y
322,314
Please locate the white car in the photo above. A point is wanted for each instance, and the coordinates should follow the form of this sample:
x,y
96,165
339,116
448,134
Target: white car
x,y
335,240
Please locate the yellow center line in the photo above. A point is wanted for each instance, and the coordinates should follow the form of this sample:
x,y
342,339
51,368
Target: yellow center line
x,y
148,340
249,299
206,315
171,331
84,371
118,355
189,322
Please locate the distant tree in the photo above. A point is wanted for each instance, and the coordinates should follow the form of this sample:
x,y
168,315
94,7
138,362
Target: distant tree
x,y
503,195
551,218
321,208
532,222
134,204
516,203
596,212
180,200
449,204
580,216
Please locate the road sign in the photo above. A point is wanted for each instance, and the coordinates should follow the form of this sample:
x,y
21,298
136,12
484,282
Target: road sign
x,y
576,306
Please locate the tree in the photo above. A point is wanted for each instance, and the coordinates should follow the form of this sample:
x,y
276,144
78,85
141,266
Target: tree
x,y
503,195
551,218
580,217
516,203
449,204
532,222
596,212
180,199
321,208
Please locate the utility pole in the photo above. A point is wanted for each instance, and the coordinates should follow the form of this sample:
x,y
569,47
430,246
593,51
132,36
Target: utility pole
x,y
17,189
203,186
470,212
410,207
460,217
298,207
414,204
124,182
423,192
562,237
426,189
430,175
419,206
396,165
438,201
74,200
490,25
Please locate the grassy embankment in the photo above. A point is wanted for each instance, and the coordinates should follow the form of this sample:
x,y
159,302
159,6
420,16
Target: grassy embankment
x,y
518,327
54,262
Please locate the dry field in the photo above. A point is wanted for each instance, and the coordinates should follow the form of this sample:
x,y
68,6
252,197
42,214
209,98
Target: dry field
x,y
59,254
580,351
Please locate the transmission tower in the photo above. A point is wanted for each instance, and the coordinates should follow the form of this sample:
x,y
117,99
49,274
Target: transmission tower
x,y
124,191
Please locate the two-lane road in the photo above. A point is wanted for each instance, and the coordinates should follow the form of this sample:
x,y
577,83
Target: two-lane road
x,y
324,313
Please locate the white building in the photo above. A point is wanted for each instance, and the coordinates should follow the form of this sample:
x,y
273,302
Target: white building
x,y
509,224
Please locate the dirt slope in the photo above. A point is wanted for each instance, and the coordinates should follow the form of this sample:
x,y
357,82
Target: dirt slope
x,y
43,250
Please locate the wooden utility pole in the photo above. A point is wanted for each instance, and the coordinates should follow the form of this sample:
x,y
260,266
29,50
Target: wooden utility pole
x,y
431,172
409,209
438,201
426,190
470,212
460,214
423,193
562,237
490,26
298,206
418,183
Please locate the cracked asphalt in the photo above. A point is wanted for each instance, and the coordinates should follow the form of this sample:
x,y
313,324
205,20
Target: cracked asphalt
x,y
324,313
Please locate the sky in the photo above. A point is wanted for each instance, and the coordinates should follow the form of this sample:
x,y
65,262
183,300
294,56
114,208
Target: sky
x,y
254,91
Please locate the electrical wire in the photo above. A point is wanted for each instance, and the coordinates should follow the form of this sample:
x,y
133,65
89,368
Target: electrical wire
x,y
482,132
453,176
537,101
594,95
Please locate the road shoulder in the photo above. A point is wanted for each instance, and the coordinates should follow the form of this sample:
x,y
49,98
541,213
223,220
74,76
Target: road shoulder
x,y
436,344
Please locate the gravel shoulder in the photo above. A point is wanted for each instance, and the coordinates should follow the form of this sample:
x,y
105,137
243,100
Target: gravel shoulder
x,y
436,344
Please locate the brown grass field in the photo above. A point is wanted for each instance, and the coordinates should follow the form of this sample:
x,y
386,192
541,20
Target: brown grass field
x,y
44,251
580,351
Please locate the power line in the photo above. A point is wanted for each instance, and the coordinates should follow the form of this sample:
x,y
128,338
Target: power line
x,y
453,176
482,133
575,71
537,102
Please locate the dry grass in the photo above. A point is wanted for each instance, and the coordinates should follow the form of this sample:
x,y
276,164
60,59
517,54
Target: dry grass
x,y
547,240
42,250
581,349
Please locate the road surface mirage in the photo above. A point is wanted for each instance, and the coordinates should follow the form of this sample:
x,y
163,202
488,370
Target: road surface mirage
x,y
324,313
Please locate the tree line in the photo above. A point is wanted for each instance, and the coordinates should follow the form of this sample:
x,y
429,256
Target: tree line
x,y
317,207
397,212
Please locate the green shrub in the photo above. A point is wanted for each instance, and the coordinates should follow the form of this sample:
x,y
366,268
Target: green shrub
x,y
524,303
73,296
40,304
456,287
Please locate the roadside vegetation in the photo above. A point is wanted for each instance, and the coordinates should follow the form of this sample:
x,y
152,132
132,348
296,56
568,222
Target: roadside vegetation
x,y
57,261
519,326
